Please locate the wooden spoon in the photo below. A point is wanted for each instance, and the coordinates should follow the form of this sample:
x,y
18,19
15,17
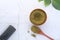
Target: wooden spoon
x,y
39,31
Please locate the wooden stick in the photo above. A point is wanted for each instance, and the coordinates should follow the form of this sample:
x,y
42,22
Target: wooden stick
x,y
46,35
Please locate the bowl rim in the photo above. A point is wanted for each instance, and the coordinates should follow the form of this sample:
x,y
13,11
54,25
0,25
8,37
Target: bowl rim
x,y
42,11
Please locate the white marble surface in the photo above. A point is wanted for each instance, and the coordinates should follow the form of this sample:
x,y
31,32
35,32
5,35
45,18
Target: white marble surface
x,y
9,16
16,13
51,27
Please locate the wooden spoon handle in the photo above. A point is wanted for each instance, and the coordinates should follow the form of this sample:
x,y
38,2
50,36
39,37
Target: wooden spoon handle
x,y
47,36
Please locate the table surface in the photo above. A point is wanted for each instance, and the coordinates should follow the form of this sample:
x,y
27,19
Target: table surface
x,y
9,16
16,13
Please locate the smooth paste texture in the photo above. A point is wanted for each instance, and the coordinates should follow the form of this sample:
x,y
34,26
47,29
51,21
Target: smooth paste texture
x,y
38,16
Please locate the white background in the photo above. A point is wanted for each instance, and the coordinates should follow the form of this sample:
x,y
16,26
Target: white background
x,y
9,16
51,26
16,13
